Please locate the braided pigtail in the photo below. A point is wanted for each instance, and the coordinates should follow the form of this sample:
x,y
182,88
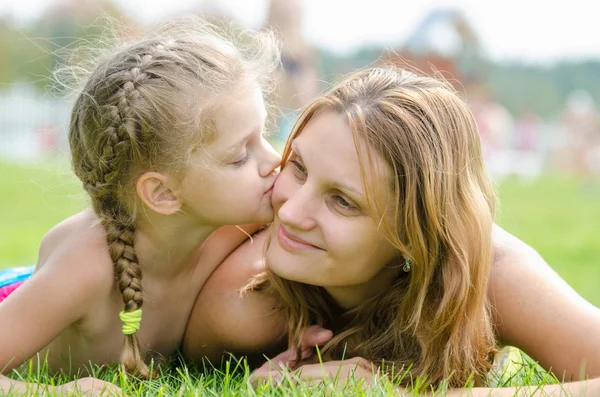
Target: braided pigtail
x,y
129,278
103,177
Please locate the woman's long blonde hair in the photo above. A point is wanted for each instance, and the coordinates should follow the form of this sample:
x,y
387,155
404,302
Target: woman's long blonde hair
x,y
146,107
434,321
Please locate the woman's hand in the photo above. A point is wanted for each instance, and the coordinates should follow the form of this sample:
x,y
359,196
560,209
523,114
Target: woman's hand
x,y
314,335
355,369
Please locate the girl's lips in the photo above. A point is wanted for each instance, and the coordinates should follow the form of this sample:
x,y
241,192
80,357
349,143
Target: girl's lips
x,y
270,190
291,242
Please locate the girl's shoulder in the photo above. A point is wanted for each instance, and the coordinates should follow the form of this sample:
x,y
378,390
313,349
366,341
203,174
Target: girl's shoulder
x,y
77,246
73,280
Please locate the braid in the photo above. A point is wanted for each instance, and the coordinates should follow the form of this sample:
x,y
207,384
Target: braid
x,y
121,141
129,279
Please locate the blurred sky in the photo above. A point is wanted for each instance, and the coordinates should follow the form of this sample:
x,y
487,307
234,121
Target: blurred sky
x,y
527,30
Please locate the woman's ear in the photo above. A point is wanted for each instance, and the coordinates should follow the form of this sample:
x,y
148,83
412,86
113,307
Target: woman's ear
x,y
154,189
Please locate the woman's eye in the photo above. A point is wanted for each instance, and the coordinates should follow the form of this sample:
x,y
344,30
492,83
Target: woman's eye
x,y
298,167
344,204
242,161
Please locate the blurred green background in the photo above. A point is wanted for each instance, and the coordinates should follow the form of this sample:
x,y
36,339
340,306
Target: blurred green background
x,y
556,215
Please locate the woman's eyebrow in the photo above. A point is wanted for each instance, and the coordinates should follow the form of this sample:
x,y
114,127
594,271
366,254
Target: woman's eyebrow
x,y
295,148
337,185
343,186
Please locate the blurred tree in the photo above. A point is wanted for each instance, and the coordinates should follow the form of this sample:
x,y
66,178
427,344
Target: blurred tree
x,y
31,52
542,89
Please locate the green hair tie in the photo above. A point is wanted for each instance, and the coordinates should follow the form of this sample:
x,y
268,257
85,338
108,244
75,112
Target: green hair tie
x,y
131,321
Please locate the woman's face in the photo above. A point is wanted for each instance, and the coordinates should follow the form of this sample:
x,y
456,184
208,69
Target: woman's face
x,y
323,233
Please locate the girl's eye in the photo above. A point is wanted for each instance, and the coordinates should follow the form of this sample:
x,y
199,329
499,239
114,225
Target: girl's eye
x,y
344,204
242,161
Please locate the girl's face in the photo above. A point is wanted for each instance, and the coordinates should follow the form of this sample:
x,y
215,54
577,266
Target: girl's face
x,y
230,180
323,233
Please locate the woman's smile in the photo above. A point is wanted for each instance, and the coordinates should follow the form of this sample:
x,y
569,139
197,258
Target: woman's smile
x,y
291,242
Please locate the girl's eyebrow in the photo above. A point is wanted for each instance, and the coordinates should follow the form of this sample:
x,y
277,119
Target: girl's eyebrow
x,y
243,140
234,146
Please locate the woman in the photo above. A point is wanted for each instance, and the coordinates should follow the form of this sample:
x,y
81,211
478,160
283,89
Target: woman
x,y
383,233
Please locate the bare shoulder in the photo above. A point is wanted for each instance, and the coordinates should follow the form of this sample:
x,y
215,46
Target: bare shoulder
x,y
508,248
77,247
225,319
534,309
223,241
74,273
515,264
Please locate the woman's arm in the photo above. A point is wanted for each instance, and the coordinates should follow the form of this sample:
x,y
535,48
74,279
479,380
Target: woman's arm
x,y
224,320
590,388
360,370
537,311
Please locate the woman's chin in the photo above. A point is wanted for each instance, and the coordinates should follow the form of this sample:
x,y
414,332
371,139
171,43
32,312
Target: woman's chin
x,y
276,259
281,264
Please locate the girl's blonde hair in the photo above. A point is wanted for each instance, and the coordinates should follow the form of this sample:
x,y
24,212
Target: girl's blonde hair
x,y
147,106
434,321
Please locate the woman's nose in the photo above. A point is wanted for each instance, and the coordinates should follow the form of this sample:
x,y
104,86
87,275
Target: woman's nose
x,y
299,210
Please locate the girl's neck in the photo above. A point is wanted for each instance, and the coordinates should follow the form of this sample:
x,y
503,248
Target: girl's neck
x,y
168,246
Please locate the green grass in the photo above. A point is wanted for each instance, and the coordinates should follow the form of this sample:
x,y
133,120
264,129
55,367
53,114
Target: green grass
x,y
556,215
233,379
34,198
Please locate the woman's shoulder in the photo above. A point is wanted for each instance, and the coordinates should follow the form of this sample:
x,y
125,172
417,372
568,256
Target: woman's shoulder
x,y
534,309
508,248
513,264
223,243
227,317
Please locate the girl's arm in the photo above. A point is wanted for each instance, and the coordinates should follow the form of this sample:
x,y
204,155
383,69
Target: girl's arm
x,y
84,386
537,311
56,296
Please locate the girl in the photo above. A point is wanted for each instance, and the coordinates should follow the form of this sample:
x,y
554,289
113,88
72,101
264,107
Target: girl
x,y
384,234
166,137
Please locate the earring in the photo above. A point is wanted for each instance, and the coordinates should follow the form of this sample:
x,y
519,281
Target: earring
x,y
407,265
